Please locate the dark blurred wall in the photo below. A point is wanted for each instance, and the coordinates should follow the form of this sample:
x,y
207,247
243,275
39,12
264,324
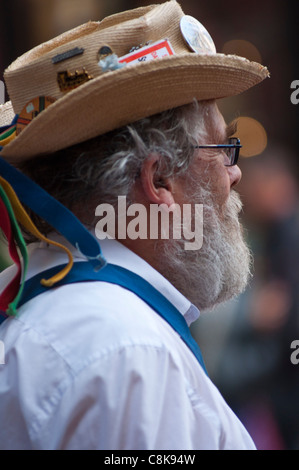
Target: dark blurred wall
x,y
15,35
27,23
292,25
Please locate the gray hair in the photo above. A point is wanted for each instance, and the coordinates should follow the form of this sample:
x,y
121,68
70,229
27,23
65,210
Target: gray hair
x,y
101,169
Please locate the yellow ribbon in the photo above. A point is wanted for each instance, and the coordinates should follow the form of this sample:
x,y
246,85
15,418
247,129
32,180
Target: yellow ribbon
x,y
25,220
8,139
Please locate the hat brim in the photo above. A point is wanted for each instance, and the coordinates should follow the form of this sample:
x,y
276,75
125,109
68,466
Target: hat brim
x,y
121,97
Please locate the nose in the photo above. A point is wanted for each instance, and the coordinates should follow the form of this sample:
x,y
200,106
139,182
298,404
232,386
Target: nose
x,y
235,175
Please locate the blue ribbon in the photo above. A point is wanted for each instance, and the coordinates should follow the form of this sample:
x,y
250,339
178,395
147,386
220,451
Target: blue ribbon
x,y
57,215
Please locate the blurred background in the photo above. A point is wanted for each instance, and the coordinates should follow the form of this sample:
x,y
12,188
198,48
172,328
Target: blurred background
x,y
246,342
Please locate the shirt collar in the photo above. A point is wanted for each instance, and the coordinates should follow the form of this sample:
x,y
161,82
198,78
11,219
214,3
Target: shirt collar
x,y
116,253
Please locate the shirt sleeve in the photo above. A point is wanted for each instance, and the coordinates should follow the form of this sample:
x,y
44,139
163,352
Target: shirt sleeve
x,y
134,398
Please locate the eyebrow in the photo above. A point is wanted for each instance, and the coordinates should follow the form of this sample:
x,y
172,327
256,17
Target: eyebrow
x,y
228,131
222,136
231,129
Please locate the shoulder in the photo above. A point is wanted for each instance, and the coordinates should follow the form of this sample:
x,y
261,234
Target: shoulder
x,y
73,350
94,367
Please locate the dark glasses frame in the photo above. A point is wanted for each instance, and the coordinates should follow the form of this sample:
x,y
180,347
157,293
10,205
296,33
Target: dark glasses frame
x,y
232,149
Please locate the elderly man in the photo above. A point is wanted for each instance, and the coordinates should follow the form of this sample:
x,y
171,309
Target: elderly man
x,y
98,354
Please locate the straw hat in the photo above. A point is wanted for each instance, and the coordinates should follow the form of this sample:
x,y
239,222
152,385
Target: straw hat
x,y
6,113
104,75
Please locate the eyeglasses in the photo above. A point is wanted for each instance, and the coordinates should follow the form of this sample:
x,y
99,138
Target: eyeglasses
x,y
232,150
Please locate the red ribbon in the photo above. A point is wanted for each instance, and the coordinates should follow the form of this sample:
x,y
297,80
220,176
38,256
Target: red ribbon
x,y
11,290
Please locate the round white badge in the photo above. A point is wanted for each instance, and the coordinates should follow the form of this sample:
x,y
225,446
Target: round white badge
x,y
196,36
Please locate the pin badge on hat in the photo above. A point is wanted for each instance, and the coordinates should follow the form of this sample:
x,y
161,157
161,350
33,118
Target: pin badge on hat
x,y
67,55
104,51
196,36
31,110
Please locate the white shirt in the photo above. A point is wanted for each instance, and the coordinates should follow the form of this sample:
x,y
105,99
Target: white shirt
x,y
91,366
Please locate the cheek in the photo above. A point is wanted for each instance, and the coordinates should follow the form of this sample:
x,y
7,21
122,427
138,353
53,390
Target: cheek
x,y
214,176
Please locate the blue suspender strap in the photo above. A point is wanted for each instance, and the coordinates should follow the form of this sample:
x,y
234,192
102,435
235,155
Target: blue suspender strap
x,y
83,272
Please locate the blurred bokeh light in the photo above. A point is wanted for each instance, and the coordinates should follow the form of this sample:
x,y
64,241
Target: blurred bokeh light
x,y
252,135
242,48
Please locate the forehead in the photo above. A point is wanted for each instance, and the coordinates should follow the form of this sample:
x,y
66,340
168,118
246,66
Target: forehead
x,y
215,124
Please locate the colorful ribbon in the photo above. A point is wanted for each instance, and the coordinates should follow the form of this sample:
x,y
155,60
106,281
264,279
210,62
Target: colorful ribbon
x,y
27,223
9,137
12,293
8,133
16,187
12,212
53,212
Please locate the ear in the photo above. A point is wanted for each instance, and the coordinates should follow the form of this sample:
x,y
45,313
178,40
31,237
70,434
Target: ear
x,y
156,190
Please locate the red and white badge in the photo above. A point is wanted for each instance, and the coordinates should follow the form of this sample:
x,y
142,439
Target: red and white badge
x,y
158,50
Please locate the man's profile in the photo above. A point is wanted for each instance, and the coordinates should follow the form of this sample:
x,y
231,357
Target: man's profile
x,y
96,328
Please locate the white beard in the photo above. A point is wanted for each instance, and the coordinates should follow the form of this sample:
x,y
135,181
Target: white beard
x,y
219,270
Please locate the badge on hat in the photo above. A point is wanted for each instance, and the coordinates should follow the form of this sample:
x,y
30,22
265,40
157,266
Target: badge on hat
x,y
196,36
31,110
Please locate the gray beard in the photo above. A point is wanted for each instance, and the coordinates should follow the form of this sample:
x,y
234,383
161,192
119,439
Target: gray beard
x,y
220,269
